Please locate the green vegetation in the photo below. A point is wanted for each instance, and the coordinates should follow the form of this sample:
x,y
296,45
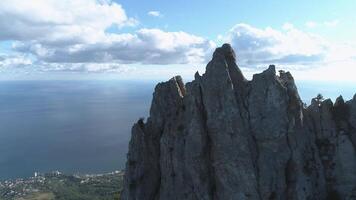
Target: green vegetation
x,y
38,196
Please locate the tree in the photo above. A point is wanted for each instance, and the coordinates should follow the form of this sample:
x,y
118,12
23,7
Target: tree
x,y
319,97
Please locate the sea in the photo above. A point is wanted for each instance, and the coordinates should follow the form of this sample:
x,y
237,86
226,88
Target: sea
x,y
69,126
84,126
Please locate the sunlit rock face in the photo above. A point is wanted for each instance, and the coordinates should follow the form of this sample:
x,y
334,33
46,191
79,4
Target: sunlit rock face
x,y
223,137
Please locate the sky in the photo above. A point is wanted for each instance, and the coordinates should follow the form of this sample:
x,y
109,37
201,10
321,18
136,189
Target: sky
x,y
157,39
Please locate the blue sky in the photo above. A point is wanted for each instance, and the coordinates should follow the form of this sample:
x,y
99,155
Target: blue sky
x,y
156,39
211,18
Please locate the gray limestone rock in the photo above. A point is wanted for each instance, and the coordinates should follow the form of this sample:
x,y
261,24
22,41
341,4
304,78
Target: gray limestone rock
x,y
223,137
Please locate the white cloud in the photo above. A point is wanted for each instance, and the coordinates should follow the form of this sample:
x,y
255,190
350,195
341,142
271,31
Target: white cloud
x,y
288,26
85,67
146,46
72,36
327,24
60,21
14,61
70,32
331,23
307,56
311,24
20,63
154,13
17,63
261,46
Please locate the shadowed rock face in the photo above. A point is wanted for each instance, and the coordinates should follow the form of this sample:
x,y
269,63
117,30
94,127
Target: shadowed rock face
x,y
223,137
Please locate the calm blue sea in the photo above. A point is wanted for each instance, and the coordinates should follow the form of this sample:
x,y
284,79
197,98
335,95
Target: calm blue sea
x,y
71,126
82,126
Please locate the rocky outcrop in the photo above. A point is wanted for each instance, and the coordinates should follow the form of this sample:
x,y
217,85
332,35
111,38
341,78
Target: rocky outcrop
x,y
223,137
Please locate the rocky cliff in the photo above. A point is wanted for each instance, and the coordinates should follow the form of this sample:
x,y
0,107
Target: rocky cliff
x,y
224,137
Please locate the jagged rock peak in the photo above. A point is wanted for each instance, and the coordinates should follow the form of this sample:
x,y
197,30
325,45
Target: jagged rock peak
x,y
226,52
221,137
339,101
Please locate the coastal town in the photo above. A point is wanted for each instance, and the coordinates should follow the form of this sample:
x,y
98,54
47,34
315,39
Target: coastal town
x,y
57,185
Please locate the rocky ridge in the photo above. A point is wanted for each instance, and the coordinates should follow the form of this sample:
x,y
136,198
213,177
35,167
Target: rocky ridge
x,y
224,137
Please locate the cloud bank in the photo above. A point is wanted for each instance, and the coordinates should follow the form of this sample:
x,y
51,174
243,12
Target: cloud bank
x,y
77,36
264,46
74,33
65,21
